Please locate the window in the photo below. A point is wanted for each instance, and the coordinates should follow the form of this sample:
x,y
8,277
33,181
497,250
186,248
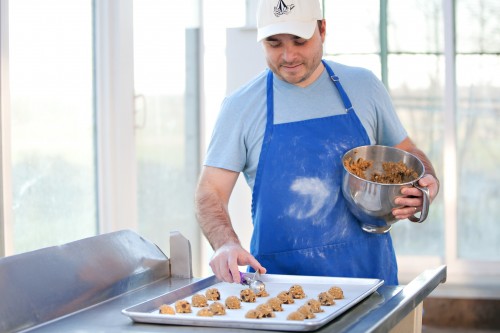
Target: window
x,y
52,122
407,47
477,124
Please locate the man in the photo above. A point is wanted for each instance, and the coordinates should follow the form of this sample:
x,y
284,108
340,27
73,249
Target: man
x,y
287,131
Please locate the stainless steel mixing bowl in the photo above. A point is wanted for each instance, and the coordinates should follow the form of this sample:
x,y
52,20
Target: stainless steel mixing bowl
x,y
372,203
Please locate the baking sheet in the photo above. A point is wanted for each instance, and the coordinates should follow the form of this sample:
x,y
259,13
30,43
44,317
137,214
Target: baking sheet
x,y
354,289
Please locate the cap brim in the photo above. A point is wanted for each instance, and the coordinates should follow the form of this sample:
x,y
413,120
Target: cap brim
x,y
302,29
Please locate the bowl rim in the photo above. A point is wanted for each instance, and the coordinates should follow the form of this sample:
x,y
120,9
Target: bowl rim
x,y
385,147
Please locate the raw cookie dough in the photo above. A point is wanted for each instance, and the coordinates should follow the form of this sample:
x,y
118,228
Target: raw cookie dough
x,y
297,291
295,316
233,302
199,301
315,305
262,293
213,294
167,309
325,298
307,311
266,310
217,308
205,312
394,172
253,314
336,292
286,297
248,295
182,306
275,304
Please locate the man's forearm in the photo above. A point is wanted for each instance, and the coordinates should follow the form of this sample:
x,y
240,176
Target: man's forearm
x,y
214,220
410,147
429,169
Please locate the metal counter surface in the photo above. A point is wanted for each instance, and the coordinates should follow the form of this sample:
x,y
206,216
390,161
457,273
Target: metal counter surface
x,y
377,313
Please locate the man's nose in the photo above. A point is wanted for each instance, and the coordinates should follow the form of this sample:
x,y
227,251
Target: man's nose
x,y
289,53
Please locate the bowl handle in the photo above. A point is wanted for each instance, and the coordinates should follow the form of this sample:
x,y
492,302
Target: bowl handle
x,y
425,205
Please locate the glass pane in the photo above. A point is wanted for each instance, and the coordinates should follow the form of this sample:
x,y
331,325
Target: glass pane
x,y
54,195
165,66
352,27
368,61
405,18
478,26
478,84
478,156
417,93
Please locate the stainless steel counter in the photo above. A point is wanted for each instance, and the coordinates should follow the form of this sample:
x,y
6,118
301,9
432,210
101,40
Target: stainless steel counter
x,y
100,309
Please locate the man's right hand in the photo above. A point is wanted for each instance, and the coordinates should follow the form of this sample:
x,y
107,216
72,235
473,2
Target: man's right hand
x,y
228,257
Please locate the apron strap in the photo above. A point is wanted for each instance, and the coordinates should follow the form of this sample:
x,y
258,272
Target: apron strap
x,y
267,137
270,100
336,81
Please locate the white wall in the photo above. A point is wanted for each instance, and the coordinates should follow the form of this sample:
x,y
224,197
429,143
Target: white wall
x,y
244,60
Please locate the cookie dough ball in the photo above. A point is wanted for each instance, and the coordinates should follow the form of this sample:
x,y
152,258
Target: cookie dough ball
x,y
233,302
167,309
286,297
253,314
266,310
297,292
325,298
275,304
262,293
199,301
248,295
182,306
315,305
212,294
307,311
217,308
205,312
336,292
295,316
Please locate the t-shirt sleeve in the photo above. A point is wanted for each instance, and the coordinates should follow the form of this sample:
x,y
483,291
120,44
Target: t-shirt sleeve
x,y
389,130
226,149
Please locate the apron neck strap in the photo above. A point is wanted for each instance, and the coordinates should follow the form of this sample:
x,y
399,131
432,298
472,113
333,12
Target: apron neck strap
x,y
270,98
336,81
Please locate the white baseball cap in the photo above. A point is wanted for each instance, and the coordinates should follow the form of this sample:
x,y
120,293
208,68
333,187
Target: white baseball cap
x,y
295,17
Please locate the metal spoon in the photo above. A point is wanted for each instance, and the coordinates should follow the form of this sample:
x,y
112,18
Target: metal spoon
x,y
253,282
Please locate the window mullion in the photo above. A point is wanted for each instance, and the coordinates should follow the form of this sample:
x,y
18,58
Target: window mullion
x,y
450,140
384,48
114,93
6,246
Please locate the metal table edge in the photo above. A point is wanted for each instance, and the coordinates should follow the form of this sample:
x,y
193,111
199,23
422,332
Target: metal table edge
x,y
398,307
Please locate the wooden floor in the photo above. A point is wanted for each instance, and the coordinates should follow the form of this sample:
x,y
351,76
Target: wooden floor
x,y
446,315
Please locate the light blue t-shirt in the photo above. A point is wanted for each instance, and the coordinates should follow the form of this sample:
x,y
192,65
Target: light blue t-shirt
x,y
238,133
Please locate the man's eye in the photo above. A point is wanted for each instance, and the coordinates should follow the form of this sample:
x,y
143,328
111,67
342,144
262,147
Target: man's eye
x,y
300,41
273,43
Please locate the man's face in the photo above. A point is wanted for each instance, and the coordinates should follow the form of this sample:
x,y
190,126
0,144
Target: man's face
x,y
294,59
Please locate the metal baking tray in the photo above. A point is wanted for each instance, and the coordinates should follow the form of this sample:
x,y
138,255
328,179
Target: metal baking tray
x,y
355,290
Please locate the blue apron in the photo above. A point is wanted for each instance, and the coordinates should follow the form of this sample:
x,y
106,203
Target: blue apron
x,y
302,225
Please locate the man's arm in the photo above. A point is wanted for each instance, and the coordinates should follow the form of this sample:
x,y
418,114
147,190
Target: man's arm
x,y
212,198
413,200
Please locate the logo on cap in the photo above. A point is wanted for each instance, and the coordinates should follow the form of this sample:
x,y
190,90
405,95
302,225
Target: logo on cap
x,y
282,8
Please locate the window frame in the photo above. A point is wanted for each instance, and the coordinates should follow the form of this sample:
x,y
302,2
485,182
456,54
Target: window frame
x,y
115,115
5,155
